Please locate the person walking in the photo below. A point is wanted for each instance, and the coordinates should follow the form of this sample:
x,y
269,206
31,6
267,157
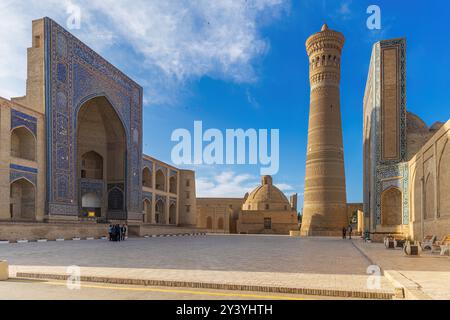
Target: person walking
x,y
350,229
344,233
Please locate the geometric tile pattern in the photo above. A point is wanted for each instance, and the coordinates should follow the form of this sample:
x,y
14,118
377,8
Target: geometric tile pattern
x,y
74,75
17,172
19,119
387,173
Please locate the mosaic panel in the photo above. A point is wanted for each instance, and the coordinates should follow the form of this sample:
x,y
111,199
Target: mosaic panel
x,y
173,173
148,164
393,175
17,174
147,195
388,172
19,119
92,186
75,74
159,197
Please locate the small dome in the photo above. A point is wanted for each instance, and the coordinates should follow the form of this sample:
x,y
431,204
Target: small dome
x,y
324,27
266,197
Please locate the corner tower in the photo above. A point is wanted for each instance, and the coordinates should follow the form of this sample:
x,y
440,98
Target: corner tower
x,y
324,212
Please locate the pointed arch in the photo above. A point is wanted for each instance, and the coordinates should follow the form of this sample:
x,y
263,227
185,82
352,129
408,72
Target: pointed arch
x,y
101,151
23,143
429,196
173,184
147,179
160,180
444,181
160,212
391,207
173,214
209,224
147,210
220,224
115,199
92,166
22,200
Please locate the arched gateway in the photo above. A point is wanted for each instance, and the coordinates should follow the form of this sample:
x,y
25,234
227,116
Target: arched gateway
x,y
101,158
94,122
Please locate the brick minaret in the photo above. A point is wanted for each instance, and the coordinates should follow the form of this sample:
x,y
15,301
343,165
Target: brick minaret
x,y
325,205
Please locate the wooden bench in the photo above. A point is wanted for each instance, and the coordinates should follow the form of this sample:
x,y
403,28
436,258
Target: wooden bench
x,y
394,242
427,242
441,246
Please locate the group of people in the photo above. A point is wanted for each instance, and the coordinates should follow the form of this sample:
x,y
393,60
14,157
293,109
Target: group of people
x,y
347,230
117,232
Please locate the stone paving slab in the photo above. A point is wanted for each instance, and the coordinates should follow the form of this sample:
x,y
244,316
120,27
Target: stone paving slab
x,y
221,253
354,286
429,272
331,265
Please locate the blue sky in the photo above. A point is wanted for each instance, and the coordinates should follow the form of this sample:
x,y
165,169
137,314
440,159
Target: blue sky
x,y
243,64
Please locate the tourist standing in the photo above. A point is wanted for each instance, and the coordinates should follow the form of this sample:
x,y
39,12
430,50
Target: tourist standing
x,y
110,232
118,232
344,233
124,232
350,229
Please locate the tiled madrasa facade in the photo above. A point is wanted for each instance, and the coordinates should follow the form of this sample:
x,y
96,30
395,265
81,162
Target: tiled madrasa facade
x,y
71,148
406,163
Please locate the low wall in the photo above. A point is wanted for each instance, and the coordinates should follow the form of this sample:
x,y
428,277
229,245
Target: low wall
x,y
149,230
12,231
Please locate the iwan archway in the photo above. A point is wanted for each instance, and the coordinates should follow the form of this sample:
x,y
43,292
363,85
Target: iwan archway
x,y
79,83
101,161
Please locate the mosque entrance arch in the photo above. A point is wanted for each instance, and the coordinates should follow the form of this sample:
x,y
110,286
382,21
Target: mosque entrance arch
x,y
101,158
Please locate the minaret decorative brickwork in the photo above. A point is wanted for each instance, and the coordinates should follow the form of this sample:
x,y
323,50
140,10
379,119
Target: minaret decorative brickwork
x,y
325,200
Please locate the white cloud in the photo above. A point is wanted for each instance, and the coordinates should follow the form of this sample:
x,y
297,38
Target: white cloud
x,y
284,187
251,99
227,184
344,9
173,41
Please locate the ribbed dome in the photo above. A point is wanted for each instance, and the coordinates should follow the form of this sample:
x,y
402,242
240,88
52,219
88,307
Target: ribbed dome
x,y
266,197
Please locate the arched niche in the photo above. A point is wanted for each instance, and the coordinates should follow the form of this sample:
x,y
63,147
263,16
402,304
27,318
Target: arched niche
x,y
391,207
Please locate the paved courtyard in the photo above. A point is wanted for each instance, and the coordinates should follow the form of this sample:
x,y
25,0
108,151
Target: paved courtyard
x,y
318,266
214,253
429,273
277,264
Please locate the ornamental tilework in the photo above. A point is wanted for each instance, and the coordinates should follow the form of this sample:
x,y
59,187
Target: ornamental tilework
x,y
19,119
29,175
92,186
147,164
162,168
388,173
75,74
173,173
401,43
147,195
23,168
159,197
388,176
